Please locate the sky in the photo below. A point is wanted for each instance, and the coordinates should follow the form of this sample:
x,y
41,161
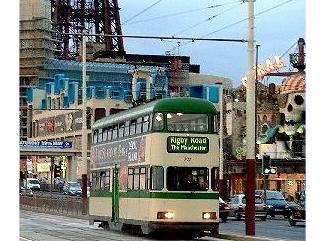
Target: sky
x,y
278,26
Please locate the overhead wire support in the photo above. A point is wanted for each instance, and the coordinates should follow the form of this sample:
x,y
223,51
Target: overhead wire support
x,y
193,39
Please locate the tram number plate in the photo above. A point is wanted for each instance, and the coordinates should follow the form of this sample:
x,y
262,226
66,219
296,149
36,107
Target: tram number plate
x,y
188,159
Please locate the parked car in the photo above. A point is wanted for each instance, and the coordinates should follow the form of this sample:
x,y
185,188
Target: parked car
x,y
238,203
72,188
33,184
224,210
296,213
275,201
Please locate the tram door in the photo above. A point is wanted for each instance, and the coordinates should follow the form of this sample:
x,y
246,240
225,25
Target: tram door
x,y
115,196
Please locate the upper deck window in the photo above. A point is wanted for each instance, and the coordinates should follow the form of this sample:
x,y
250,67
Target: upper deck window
x,y
179,122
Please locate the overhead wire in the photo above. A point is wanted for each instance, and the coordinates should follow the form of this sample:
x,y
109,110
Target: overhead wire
x,y
208,19
295,43
240,21
182,13
141,12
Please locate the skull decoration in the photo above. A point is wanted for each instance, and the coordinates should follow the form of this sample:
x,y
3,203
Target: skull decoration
x,y
292,103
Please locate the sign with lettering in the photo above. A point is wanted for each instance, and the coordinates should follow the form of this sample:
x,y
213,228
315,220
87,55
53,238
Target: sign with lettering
x,y
46,144
60,124
269,67
187,144
127,151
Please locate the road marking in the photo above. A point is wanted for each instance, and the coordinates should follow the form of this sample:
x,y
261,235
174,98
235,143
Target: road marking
x,y
25,239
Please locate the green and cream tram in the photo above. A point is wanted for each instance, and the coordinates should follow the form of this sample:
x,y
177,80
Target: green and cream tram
x,y
155,168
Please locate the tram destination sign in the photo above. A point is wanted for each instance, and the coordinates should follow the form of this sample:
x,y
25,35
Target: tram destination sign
x,y
187,144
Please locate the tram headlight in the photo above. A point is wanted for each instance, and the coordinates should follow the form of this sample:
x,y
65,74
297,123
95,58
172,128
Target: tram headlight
x,y
209,215
165,215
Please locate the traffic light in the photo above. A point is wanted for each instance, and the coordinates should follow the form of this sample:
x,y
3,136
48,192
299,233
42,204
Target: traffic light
x,y
273,170
57,171
266,165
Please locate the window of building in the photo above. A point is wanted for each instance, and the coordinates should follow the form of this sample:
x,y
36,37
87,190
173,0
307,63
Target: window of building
x,y
100,113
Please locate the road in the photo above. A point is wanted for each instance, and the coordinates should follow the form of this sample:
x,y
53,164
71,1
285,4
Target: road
x,y
277,227
40,227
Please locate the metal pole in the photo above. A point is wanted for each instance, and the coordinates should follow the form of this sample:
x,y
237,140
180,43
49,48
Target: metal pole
x,y
84,119
221,186
52,159
250,128
26,175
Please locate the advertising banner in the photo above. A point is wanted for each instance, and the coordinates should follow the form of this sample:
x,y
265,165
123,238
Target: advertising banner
x,y
127,151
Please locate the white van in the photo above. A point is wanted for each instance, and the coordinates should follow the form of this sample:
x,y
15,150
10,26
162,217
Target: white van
x,y
33,184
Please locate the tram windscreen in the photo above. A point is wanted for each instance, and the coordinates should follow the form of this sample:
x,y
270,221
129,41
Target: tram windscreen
x,y
187,179
179,122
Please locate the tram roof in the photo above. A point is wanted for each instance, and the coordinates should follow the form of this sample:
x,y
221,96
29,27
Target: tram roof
x,y
188,105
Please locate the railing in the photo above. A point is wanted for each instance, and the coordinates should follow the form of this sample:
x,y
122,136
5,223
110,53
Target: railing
x,y
68,206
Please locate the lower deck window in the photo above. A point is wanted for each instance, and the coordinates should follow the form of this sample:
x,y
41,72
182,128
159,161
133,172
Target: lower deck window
x,y
187,179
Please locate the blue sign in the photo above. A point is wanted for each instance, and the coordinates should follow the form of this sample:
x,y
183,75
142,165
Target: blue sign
x,y
46,144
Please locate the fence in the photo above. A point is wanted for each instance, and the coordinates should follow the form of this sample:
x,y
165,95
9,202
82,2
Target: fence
x,y
74,207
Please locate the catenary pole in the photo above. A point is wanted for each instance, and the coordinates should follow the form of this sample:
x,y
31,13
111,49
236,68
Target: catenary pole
x,y
84,119
221,186
250,128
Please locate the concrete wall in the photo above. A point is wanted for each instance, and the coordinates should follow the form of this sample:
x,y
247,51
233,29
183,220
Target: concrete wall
x,y
30,9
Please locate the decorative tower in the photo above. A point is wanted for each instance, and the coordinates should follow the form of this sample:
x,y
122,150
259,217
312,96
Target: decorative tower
x,y
99,17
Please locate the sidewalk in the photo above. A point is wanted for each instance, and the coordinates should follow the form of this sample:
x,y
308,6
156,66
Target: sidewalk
x,y
239,237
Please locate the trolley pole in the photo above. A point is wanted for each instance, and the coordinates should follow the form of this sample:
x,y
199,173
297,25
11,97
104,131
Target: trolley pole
x,y
250,128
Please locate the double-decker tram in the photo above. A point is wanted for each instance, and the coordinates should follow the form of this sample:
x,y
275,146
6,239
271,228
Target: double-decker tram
x,y
155,168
